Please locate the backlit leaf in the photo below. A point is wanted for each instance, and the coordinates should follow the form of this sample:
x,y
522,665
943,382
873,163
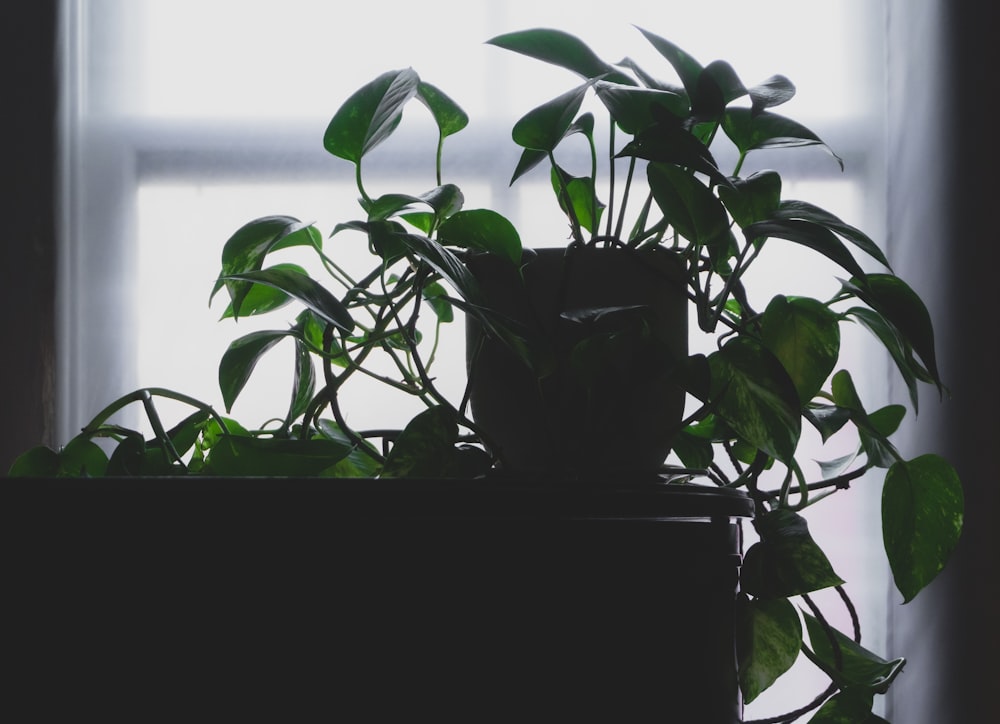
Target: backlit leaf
x,y
922,514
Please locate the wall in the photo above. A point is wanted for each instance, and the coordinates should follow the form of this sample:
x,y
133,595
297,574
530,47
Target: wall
x,y
27,245
942,191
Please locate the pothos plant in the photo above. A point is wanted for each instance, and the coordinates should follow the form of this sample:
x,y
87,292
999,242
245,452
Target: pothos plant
x,y
774,367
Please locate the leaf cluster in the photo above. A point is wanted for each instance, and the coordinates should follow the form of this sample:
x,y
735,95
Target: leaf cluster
x,y
775,369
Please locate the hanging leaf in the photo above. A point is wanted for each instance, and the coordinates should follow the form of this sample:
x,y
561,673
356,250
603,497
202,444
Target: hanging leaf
x,y
810,212
805,337
768,639
851,706
240,359
897,348
901,307
786,561
753,393
859,668
922,514
809,234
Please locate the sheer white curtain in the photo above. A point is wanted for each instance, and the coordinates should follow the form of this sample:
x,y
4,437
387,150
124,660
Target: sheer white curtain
x,y
186,118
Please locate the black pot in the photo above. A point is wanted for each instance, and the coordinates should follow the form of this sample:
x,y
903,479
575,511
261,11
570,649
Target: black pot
x,y
614,409
380,600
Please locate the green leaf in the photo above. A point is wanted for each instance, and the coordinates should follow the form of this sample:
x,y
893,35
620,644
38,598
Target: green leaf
x,y
690,207
37,462
922,514
631,107
753,393
772,92
768,639
809,212
246,249
425,447
851,706
754,198
717,85
240,359
370,115
130,458
389,205
304,381
542,128
445,263
860,669
669,142
359,463
827,419
448,115
483,230
562,49
897,348
901,307
265,457
805,337
807,233
305,289
886,420
688,69
880,451
750,130
444,200
436,297
693,451
786,561
581,192
80,457
530,158
260,299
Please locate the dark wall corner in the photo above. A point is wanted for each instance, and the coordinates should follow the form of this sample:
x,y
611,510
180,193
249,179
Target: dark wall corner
x,y
27,249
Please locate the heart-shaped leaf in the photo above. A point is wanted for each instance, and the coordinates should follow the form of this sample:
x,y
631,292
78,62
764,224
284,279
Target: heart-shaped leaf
x,y
370,115
922,513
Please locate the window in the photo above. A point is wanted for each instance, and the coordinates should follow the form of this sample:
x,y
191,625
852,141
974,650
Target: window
x,y
185,119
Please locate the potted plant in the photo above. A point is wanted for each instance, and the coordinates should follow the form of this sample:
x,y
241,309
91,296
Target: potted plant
x,y
603,385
